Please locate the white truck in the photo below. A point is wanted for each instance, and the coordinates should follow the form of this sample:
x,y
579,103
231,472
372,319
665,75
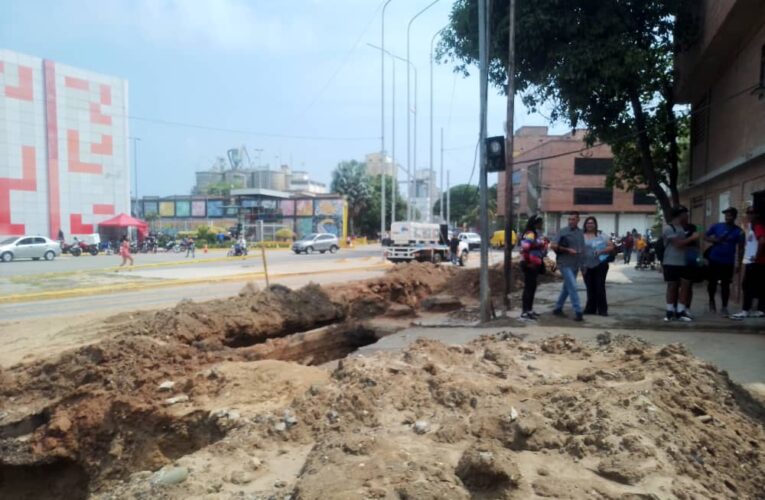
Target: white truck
x,y
422,242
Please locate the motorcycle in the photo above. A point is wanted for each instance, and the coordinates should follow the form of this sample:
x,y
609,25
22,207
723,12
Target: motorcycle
x,y
92,249
73,249
237,250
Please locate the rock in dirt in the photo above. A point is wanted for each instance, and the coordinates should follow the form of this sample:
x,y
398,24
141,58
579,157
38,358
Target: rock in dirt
x,y
488,470
421,427
180,398
173,475
166,386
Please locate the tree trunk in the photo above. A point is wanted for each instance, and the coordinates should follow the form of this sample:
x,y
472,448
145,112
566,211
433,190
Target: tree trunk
x,y
670,136
646,160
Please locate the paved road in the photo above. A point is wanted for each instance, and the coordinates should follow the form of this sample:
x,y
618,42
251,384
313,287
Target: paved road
x,y
87,263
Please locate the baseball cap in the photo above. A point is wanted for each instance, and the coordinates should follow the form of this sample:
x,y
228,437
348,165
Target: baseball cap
x,y
731,210
678,210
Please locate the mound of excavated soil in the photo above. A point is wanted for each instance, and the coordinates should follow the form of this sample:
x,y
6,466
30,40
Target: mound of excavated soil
x,y
467,282
498,418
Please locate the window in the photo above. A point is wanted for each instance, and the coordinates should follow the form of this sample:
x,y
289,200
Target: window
x,y
593,196
26,241
643,197
699,121
593,166
516,177
39,241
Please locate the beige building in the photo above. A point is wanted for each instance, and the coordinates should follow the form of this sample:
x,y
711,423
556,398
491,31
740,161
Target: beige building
x,y
551,177
378,164
722,76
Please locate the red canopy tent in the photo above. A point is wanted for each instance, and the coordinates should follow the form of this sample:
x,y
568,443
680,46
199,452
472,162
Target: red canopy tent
x,y
125,221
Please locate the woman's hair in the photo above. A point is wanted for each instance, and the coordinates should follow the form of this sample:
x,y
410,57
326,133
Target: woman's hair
x,y
588,219
531,224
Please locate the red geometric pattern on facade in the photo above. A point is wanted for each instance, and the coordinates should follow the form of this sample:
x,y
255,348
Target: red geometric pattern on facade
x,y
75,164
77,227
28,182
24,89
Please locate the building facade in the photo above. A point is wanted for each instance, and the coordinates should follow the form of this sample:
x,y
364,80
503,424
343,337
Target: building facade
x,y
721,74
552,177
261,211
63,147
378,164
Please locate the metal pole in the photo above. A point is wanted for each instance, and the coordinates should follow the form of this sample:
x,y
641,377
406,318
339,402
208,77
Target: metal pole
x,y
414,149
394,187
135,170
483,64
441,210
432,171
448,201
510,140
408,108
382,120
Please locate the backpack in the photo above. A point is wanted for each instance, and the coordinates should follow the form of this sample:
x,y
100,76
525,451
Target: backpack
x,y
659,249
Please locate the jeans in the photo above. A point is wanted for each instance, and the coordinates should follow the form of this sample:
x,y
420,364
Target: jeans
x,y
627,255
595,279
530,275
569,289
639,257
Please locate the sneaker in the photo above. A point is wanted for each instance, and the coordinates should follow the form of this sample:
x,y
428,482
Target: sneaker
x,y
559,313
670,316
534,314
739,315
724,312
688,313
527,316
579,317
756,314
684,316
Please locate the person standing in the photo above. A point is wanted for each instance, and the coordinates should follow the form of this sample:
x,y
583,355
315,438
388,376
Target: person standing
x,y
628,244
190,247
754,267
454,247
533,250
640,246
125,252
674,265
595,267
569,247
724,257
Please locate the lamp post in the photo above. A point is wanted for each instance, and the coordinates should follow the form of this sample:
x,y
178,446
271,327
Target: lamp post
x,y
432,172
408,104
135,140
382,120
393,140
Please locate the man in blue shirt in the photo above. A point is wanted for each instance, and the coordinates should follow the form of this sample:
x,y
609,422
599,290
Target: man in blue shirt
x,y
569,251
724,256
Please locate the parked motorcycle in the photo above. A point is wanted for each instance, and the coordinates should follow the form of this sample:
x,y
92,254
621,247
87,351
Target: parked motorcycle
x,y
237,250
73,249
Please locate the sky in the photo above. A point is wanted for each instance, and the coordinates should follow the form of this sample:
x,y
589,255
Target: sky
x,y
294,82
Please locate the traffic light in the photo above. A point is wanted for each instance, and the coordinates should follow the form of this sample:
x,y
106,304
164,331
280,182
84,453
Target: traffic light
x,y
495,154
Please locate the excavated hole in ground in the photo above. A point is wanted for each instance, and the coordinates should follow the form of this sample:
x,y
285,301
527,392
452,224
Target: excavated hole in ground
x,y
53,481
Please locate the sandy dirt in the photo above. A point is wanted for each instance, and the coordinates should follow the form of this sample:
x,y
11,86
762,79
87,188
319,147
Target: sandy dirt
x,y
256,397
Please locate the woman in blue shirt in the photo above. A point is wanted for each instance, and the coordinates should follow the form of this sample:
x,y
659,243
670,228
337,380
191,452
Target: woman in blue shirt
x,y
724,257
598,247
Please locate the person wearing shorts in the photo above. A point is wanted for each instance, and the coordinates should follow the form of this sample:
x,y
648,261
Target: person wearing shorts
x,y
674,265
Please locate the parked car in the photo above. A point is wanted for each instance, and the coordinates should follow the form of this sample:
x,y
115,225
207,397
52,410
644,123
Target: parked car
x,y
29,247
472,239
316,242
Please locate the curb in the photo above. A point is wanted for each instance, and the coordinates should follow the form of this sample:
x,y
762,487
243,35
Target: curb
x,y
84,292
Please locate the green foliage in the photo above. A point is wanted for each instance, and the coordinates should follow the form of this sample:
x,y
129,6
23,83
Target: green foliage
x,y
606,64
204,234
465,204
351,180
369,223
284,234
221,188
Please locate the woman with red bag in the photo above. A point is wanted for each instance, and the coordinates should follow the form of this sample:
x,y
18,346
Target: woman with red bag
x,y
533,251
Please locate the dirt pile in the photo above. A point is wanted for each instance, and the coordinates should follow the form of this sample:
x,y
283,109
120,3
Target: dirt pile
x,y
467,283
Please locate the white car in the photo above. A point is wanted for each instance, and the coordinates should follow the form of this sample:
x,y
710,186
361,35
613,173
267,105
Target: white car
x,y
29,247
473,240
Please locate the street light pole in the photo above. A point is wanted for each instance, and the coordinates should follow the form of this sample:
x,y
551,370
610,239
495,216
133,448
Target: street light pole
x,y
382,121
483,64
432,171
135,171
408,104
509,195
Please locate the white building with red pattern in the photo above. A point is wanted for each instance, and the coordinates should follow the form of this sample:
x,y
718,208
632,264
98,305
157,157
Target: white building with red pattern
x,y
63,147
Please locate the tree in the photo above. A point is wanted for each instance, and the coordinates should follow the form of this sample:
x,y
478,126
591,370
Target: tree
x,y
606,64
465,204
351,180
370,218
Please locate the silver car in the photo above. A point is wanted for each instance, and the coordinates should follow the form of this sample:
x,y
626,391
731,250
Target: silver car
x,y
316,242
29,247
